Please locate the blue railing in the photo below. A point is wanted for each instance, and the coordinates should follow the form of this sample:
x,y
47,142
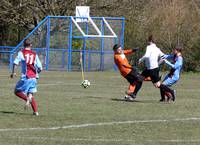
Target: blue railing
x,y
7,50
12,50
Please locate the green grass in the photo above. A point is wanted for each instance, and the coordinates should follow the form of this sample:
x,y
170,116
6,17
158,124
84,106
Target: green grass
x,y
63,102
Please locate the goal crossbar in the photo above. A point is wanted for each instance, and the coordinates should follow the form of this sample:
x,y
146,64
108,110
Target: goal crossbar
x,y
99,33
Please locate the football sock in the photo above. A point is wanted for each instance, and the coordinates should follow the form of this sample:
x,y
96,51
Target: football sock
x,y
21,95
166,89
34,105
137,88
131,88
162,94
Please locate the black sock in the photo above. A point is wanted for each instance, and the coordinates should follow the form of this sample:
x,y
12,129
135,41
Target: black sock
x,y
167,89
137,87
162,94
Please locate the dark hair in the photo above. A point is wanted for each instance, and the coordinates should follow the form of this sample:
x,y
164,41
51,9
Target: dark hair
x,y
151,39
179,49
115,47
27,43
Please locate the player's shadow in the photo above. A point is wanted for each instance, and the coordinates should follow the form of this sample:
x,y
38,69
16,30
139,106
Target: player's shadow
x,y
88,97
123,100
11,112
135,101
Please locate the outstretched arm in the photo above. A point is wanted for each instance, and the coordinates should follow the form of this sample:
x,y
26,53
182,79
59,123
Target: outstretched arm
x,y
146,55
168,56
178,63
130,51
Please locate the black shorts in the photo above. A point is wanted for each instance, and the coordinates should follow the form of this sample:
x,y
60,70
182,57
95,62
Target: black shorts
x,y
134,77
152,73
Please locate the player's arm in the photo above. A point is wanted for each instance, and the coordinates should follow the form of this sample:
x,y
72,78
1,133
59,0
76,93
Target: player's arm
x,y
168,56
13,73
177,64
130,51
16,62
38,64
146,55
161,54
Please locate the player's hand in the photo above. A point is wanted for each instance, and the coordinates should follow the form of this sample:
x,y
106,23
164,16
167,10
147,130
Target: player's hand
x,y
161,61
140,61
135,49
163,57
39,70
164,60
13,75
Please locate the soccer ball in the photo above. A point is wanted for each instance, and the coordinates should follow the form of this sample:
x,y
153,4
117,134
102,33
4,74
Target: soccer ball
x,y
85,83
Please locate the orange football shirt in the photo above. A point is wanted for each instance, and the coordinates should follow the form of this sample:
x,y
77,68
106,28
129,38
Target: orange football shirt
x,y
122,62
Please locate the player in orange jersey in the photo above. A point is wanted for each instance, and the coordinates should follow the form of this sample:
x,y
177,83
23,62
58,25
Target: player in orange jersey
x,y
126,70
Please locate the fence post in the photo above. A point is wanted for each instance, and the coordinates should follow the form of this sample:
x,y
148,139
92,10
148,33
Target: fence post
x,y
122,33
69,62
11,61
48,42
102,47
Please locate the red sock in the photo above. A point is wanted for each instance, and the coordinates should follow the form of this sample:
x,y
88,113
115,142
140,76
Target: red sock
x,y
21,95
34,105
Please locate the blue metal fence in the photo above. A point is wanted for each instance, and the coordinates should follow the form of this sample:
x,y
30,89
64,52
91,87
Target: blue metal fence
x,y
58,41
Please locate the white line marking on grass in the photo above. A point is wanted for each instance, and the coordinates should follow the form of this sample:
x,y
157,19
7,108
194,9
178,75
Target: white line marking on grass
x,y
58,139
176,141
100,124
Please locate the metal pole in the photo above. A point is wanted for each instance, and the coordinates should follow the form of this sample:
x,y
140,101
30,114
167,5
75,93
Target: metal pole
x,y
69,64
48,43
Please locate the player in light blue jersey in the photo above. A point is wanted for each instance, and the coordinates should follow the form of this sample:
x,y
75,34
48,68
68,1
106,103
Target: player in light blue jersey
x,y
30,67
174,74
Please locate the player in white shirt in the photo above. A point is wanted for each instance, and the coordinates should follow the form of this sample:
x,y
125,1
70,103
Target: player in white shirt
x,y
151,57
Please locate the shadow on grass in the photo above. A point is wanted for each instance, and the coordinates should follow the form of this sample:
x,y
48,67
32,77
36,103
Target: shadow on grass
x,y
89,97
136,101
14,113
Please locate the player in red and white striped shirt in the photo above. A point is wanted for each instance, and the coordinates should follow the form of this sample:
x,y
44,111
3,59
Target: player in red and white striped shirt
x,y
31,66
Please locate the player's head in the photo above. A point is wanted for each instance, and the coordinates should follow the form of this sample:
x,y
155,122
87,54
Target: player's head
x,y
151,39
178,50
117,48
27,43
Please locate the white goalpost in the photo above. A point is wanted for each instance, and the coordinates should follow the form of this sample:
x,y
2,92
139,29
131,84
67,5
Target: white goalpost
x,y
82,15
83,18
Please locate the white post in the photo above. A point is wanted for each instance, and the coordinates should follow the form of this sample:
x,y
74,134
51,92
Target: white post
x,y
79,28
95,26
111,30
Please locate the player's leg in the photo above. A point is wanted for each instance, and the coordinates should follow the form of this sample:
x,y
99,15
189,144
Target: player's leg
x,y
140,78
33,104
162,92
19,90
135,80
32,88
172,93
165,88
133,89
130,96
147,79
21,95
138,87
168,89
154,74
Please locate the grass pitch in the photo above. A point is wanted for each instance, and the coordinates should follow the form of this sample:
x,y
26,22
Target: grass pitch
x,y
70,114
